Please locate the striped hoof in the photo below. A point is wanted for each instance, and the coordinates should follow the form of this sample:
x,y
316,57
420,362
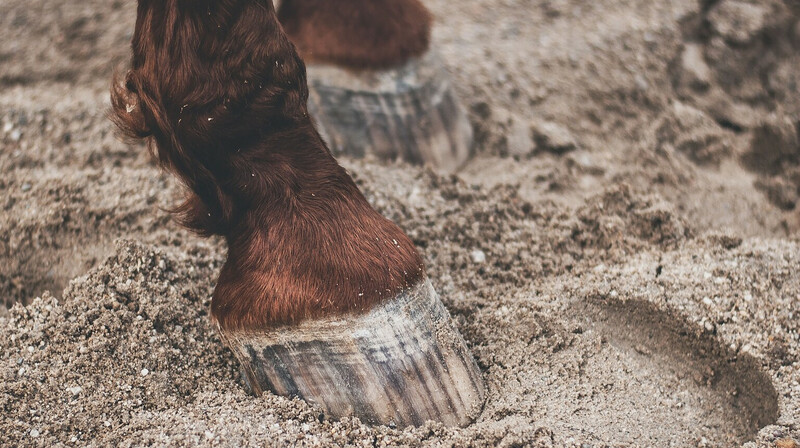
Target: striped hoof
x,y
402,363
410,113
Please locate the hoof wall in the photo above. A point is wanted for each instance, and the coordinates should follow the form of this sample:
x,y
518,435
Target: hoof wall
x,y
401,364
410,113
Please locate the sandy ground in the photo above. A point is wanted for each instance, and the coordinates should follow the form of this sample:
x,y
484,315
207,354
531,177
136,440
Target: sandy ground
x,y
621,254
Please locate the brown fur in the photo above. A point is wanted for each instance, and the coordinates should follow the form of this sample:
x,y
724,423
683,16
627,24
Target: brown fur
x,y
303,241
372,34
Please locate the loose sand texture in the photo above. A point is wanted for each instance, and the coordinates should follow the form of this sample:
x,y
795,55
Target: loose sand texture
x,y
621,254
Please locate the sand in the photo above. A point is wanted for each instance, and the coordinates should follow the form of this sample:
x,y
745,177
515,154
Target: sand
x,y
621,255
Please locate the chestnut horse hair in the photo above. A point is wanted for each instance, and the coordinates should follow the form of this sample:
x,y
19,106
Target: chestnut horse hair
x,y
360,34
220,93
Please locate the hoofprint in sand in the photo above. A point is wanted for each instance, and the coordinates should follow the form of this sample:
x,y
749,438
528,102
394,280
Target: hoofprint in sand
x,y
619,261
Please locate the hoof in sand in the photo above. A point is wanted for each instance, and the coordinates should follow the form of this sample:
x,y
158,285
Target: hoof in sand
x,y
402,363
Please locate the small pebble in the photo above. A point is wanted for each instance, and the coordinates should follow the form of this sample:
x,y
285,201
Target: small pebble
x,y
553,137
641,82
75,390
26,187
34,433
145,372
696,71
478,256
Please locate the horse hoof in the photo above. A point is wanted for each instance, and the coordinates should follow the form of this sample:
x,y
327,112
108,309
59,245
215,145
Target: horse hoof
x,y
402,363
410,113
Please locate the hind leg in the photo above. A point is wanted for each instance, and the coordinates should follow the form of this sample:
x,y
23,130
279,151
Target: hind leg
x,y
377,88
